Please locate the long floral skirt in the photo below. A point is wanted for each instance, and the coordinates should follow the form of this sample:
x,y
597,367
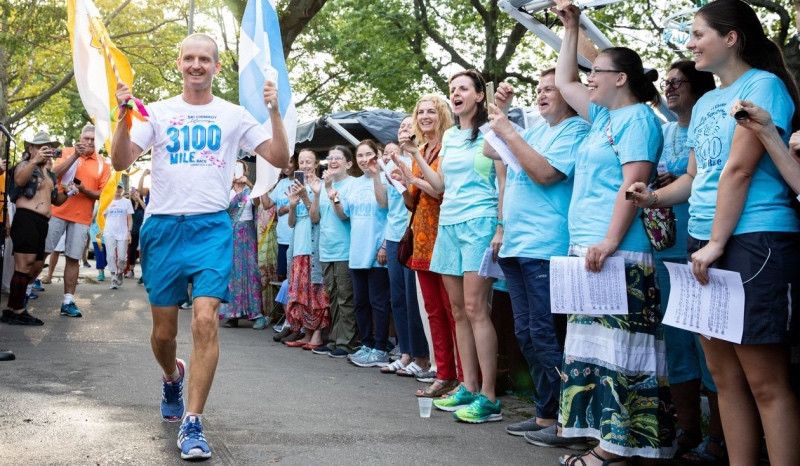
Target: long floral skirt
x,y
614,377
244,287
308,302
267,254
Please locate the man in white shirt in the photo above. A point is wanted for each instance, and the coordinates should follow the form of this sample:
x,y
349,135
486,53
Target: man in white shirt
x,y
195,138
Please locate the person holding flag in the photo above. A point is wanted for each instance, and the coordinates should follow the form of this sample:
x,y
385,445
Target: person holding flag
x,y
195,138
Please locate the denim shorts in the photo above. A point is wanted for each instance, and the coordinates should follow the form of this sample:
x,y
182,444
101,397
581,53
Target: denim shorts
x,y
768,263
181,249
460,248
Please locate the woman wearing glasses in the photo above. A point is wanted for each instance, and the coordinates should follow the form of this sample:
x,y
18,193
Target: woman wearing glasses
x,y
614,374
686,363
740,219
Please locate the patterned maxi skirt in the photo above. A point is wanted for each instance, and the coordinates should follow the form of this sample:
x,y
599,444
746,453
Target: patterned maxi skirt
x,y
267,254
614,377
244,286
308,302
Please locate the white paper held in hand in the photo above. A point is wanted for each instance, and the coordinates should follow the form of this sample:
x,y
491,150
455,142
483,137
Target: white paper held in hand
x,y
714,310
489,268
501,147
575,290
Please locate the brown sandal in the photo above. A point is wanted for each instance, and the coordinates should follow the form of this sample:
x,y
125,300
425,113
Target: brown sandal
x,y
437,388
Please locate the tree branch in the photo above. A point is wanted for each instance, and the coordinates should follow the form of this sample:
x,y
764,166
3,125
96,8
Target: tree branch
x,y
778,9
422,16
40,99
514,39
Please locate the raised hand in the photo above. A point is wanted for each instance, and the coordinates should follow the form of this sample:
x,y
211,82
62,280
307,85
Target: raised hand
x,y
503,96
271,95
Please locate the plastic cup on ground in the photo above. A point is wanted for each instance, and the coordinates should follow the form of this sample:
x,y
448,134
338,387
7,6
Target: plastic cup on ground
x,y
425,405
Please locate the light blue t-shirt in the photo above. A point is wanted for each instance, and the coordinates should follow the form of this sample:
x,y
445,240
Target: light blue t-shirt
x,y
635,132
767,205
398,217
535,216
280,199
334,233
367,223
303,244
675,159
469,178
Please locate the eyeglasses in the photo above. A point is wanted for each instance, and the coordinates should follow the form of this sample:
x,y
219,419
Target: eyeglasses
x,y
594,71
673,83
544,90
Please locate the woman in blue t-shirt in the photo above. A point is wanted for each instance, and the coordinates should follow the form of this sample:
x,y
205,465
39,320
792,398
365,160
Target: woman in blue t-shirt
x,y
614,380
686,363
740,219
365,204
308,307
467,227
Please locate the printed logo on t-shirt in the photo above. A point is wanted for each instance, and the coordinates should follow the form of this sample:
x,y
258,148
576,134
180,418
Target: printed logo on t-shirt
x,y
708,145
194,140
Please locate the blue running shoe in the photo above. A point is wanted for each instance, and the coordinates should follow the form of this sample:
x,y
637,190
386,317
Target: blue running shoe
x,y
172,396
70,310
37,285
191,440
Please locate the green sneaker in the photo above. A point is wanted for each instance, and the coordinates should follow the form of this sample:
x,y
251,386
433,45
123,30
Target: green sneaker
x,y
481,410
460,399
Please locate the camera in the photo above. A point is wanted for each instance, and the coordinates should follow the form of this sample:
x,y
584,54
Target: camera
x,y
56,153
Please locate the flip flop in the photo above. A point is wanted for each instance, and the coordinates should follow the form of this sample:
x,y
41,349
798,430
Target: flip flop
x,y
393,367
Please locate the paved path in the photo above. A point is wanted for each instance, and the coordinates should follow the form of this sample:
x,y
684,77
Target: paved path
x,y
86,391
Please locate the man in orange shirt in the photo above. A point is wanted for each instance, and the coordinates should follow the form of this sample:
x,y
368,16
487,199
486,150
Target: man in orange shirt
x,y
89,172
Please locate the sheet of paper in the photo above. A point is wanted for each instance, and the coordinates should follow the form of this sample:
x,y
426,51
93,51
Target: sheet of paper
x,y
715,310
491,138
575,290
489,268
397,185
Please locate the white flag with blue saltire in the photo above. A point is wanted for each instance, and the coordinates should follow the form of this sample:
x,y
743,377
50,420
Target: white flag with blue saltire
x,y
261,58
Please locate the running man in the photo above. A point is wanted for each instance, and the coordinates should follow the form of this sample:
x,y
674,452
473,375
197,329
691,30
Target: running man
x,y
195,138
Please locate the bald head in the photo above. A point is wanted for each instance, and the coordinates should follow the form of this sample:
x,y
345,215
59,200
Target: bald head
x,y
203,39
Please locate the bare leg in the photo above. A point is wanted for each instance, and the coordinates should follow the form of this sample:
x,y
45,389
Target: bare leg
x,y
477,291
736,405
464,338
51,265
205,351
767,370
163,337
71,270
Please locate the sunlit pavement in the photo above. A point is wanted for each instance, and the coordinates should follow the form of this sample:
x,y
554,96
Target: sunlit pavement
x,y
86,391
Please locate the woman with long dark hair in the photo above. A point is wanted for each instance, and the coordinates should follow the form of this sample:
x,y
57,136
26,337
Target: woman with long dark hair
x,y
468,225
741,220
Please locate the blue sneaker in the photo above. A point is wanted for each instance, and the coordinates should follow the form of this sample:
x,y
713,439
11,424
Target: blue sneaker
x,y
37,285
70,310
191,440
32,295
361,353
375,358
172,396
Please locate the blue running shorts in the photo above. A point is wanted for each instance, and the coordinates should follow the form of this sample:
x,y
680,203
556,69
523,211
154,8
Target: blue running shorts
x,y
178,250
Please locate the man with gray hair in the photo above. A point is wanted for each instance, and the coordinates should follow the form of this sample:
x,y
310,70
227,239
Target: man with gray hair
x,y
89,172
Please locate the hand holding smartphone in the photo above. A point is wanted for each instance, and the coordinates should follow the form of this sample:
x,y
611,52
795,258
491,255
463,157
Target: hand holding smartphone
x,y
300,177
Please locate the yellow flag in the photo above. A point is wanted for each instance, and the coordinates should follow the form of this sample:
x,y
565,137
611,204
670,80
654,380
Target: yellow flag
x,y
98,65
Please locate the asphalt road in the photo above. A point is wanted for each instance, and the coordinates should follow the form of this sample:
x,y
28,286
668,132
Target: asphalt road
x,y
86,391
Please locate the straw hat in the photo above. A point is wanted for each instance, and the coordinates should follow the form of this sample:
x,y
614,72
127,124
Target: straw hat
x,y
42,138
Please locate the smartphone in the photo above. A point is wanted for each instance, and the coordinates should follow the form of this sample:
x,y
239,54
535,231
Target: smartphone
x,y
238,170
300,177
490,93
629,195
741,114
76,181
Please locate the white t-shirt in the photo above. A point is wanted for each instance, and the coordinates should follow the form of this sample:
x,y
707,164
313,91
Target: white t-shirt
x,y
247,210
117,219
194,152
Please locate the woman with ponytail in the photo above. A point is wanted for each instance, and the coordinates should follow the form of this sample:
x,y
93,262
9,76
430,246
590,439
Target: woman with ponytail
x,y
740,219
614,377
